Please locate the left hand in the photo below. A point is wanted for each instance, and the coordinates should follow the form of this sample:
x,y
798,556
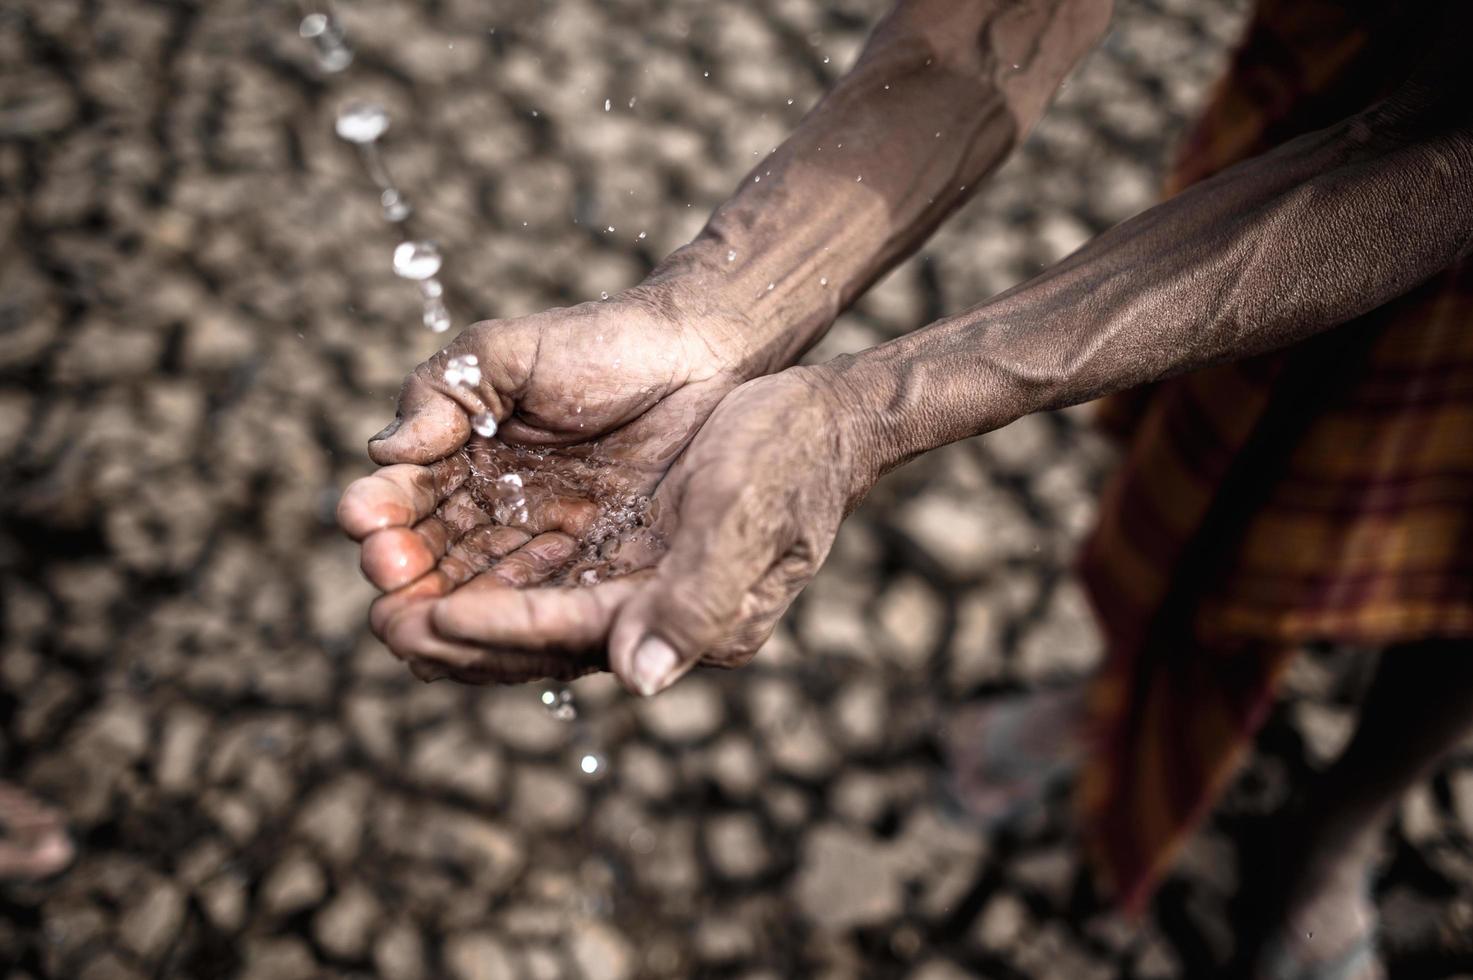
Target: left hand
x,y
747,514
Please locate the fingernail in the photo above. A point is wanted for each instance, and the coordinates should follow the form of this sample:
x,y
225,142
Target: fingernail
x,y
654,664
387,430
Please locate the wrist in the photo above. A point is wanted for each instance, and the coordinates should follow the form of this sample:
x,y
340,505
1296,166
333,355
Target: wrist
x,y
764,305
918,393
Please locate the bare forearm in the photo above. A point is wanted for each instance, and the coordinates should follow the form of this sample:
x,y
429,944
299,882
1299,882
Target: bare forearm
x,y
940,95
1293,243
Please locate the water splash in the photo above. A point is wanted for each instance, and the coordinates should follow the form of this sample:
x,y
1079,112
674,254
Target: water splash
x,y
417,260
559,702
329,42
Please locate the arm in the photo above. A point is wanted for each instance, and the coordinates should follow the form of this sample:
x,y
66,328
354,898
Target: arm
x,y
940,95
1320,231
1328,227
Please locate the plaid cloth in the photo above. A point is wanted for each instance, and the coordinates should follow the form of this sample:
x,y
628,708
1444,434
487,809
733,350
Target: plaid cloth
x,y
1323,493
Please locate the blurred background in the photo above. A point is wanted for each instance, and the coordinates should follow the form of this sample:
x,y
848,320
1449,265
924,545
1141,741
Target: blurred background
x,y
199,330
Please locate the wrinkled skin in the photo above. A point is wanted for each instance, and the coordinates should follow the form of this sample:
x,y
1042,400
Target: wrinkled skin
x,y
744,519
608,393
741,523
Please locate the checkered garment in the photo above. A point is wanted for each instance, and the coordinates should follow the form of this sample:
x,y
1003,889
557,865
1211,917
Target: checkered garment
x,y
1323,493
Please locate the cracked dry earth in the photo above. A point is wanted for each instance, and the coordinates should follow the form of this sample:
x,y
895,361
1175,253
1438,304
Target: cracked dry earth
x,y
198,332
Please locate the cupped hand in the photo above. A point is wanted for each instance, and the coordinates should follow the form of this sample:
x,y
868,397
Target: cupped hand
x,y
593,402
739,526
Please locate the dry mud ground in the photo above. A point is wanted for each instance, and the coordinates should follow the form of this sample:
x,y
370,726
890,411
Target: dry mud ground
x,y
198,332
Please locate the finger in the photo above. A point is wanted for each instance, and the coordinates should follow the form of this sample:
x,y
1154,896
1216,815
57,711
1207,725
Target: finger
x,y
695,601
398,496
465,559
430,425
396,556
480,549
421,590
535,561
572,515
413,637
462,513
491,613
409,635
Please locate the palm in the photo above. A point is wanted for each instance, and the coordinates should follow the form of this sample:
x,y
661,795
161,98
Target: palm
x,y
596,402
737,526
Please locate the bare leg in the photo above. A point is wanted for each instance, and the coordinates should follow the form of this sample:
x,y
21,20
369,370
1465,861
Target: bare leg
x,y
1322,921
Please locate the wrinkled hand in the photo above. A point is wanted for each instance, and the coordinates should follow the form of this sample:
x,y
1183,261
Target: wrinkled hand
x,y
748,514
594,403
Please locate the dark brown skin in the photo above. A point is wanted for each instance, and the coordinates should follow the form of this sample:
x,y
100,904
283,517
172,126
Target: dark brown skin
x,y
802,221
1268,253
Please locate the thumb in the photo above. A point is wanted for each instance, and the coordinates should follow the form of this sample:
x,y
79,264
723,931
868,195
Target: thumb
x,y
695,602
429,426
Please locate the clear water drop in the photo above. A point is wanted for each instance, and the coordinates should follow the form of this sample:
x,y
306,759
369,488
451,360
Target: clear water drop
x,y
607,105
436,318
396,208
823,280
431,288
592,764
464,370
416,260
603,295
484,424
361,122
328,42
559,702
731,255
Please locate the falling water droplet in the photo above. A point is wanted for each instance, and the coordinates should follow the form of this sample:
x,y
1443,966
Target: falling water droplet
x,y
464,370
592,764
603,295
361,122
559,702
823,280
731,255
607,105
484,423
326,35
416,260
436,318
396,208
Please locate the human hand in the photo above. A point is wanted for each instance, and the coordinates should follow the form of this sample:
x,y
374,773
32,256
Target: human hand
x,y
739,526
620,386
